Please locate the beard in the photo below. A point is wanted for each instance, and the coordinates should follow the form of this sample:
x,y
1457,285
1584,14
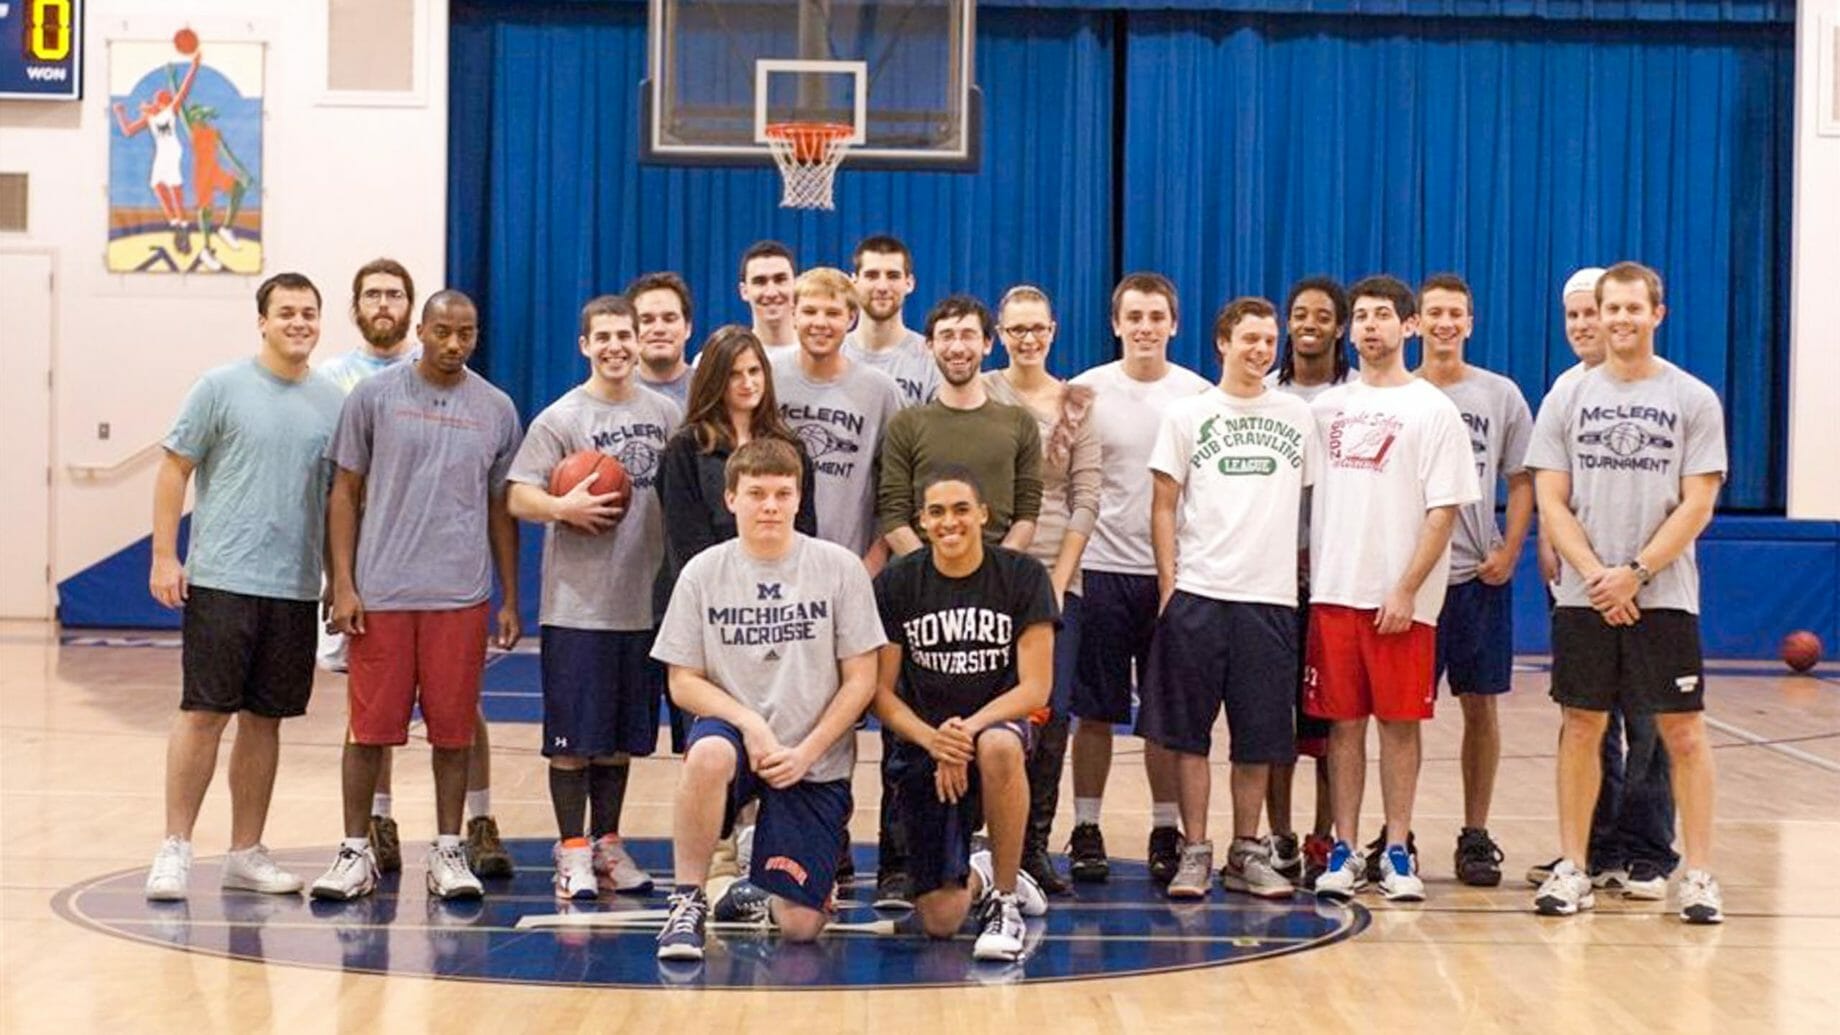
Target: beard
x,y
381,337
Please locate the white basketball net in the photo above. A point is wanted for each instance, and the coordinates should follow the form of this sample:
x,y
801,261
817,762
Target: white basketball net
x,y
808,155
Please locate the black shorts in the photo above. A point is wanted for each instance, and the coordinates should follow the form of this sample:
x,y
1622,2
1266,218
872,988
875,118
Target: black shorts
x,y
1209,653
1118,622
1651,666
245,653
600,692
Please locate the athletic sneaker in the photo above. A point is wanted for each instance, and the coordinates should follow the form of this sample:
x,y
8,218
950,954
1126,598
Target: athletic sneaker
x,y
1286,855
745,903
449,876
615,870
1249,869
1039,865
1344,873
575,869
1316,850
485,853
1028,895
682,936
846,868
744,850
1478,858
386,845
1700,901
1566,892
1164,853
1398,882
252,870
1645,882
1195,873
353,874
1612,880
1003,930
893,890
1087,861
1377,848
172,871
1540,873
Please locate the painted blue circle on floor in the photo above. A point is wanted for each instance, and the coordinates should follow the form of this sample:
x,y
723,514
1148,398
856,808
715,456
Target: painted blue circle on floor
x,y
1116,929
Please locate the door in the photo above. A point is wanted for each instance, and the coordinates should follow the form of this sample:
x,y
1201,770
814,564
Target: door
x,y
25,425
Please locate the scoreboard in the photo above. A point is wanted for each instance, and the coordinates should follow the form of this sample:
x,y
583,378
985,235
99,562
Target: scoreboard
x,y
41,49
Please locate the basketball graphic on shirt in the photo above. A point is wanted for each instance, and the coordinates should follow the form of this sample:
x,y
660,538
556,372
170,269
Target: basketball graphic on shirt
x,y
1625,438
640,460
822,441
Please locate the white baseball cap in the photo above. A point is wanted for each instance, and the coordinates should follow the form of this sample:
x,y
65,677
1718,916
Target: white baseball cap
x,y
1583,280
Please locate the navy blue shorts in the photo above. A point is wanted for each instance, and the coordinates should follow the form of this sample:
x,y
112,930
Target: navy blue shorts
x,y
1214,652
600,692
1066,654
1117,624
939,833
1475,638
801,831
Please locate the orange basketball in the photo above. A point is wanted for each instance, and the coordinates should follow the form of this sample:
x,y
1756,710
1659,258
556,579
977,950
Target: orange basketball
x,y
609,475
185,41
1801,650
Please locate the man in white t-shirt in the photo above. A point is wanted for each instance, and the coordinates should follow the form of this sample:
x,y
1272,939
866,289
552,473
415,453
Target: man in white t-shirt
x,y
884,278
1396,469
1119,570
1230,466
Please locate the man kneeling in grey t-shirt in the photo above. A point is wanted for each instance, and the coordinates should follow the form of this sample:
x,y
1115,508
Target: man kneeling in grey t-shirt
x,y
771,639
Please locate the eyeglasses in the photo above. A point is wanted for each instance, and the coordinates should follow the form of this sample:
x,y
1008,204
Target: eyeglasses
x,y
1037,331
379,294
970,336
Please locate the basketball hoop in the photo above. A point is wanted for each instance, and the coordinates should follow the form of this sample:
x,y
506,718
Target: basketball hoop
x,y
808,154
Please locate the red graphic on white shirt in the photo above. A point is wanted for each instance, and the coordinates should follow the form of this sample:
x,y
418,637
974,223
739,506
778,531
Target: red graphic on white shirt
x,y
1363,440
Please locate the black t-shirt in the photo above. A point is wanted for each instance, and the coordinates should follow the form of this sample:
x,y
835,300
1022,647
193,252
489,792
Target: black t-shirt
x,y
959,635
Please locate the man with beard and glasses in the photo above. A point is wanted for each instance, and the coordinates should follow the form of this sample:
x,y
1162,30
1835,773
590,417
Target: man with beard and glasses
x,y
884,278
962,428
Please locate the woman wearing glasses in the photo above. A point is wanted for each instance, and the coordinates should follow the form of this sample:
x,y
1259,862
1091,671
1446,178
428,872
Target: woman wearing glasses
x,y
1070,477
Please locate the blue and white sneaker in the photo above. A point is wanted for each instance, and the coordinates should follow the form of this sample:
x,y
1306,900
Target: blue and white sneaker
x,y
745,903
1345,874
1397,881
682,937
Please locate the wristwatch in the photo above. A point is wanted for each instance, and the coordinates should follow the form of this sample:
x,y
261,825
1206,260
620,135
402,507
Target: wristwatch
x,y
1643,575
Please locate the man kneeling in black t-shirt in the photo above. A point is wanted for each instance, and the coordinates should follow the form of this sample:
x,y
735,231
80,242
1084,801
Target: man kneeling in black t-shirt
x,y
970,655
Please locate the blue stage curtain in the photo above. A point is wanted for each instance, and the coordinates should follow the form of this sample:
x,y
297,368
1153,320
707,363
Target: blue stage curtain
x,y
547,204
1262,149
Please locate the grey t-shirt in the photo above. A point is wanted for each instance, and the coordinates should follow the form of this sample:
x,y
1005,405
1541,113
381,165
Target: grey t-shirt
x,y
1499,425
1627,445
841,424
1126,416
910,363
431,458
677,389
602,581
259,443
771,633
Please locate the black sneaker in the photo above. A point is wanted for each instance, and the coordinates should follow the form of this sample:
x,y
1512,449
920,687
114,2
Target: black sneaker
x,y
1164,854
1646,882
893,890
1087,861
1377,848
744,903
1038,865
846,869
1478,859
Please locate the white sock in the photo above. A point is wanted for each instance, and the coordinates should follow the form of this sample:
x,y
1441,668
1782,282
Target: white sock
x,y
1164,814
447,841
479,802
380,805
1086,810
356,844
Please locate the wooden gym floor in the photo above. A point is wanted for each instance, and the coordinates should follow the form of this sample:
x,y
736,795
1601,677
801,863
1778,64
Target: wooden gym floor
x,y
82,741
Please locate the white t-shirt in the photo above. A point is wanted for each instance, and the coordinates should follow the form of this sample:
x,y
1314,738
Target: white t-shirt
x,y
1389,455
1242,465
1126,414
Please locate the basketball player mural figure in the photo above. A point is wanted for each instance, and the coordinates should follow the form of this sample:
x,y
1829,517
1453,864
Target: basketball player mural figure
x,y
160,117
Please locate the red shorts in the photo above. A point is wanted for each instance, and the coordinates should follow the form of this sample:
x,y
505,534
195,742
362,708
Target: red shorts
x,y
441,653
1351,672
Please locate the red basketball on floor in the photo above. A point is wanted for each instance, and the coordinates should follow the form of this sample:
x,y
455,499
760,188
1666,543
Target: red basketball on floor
x,y
1801,650
185,41
609,475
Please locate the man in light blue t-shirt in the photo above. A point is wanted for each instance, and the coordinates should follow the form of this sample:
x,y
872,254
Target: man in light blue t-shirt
x,y
255,433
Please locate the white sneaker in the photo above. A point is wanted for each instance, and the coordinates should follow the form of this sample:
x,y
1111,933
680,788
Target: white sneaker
x,y
1397,881
1345,874
353,874
744,849
575,871
228,237
1002,934
252,870
1700,901
1195,873
1566,892
1251,870
172,871
1029,897
615,869
449,877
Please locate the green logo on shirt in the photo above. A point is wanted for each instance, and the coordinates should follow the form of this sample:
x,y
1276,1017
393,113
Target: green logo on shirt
x,y
1236,465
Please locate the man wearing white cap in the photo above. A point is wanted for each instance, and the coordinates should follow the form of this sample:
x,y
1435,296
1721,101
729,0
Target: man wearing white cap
x,y
1632,829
